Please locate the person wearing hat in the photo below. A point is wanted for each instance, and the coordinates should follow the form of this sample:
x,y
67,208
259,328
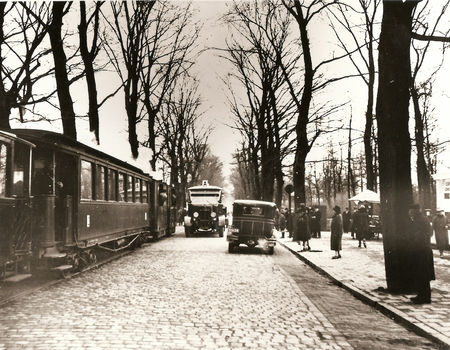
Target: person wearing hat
x,y
440,227
336,232
423,265
302,231
361,225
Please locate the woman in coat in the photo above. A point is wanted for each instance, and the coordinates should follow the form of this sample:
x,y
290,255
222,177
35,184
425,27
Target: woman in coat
x,y
440,230
336,232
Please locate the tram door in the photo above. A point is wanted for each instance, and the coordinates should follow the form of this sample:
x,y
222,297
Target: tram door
x,y
66,176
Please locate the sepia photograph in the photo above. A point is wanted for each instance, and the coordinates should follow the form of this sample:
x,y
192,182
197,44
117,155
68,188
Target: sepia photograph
x,y
225,174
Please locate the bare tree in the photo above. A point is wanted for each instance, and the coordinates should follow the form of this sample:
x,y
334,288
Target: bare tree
x,y
179,114
88,56
392,113
362,57
313,82
59,10
21,55
128,27
255,55
418,89
170,40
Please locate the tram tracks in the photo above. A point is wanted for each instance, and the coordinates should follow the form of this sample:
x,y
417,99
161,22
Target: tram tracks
x,y
11,292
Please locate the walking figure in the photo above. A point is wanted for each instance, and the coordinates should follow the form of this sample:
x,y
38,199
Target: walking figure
x,y
419,229
336,232
440,230
361,225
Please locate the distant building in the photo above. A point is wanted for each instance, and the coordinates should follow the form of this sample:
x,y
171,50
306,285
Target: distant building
x,y
442,191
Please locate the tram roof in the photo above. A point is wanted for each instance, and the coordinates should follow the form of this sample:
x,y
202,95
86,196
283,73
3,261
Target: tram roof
x,y
61,141
253,202
12,136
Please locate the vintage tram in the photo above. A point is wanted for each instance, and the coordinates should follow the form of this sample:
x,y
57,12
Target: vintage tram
x,y
205,212
62,202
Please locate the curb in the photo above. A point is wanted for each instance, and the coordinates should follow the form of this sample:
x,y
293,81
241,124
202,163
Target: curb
x,y
442,341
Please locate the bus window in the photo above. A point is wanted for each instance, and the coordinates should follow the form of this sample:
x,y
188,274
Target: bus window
x,y
4,156
100,183
122,190
86,180
20,170
144,192
112,177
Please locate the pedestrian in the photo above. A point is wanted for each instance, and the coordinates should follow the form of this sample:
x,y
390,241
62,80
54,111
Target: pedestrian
x,y
361,225
315,222
290,222
302,231
282,223
419,229
346,217
336,232
440,230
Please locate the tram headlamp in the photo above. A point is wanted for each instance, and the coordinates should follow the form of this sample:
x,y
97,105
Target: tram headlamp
x,y
213,214
195,215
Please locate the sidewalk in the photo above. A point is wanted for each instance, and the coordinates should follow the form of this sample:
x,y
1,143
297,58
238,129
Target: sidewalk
x,y
361,271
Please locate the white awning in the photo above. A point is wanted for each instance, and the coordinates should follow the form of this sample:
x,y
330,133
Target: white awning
x,y
366,196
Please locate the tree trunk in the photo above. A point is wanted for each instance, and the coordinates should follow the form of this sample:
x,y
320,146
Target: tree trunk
x,y
302,148
62,80
394,142
424,180
5,110
88,60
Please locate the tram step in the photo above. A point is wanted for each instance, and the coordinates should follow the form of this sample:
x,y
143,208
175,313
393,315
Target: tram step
x,y
62,268
17,278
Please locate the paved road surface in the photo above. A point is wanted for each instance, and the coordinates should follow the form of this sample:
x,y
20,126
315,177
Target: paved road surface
x,y
189,293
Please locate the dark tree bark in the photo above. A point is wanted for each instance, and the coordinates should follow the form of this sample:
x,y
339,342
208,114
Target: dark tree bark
x,y
59,10
88,57
394,141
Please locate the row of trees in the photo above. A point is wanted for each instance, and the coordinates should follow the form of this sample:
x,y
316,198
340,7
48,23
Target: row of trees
x,y
150,45
286,109
295,70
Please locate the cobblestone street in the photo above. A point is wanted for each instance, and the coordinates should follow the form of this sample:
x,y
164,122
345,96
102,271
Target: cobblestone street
x,y
190,293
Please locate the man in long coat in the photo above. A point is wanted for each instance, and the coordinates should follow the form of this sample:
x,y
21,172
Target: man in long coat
x,y
419,228
440,230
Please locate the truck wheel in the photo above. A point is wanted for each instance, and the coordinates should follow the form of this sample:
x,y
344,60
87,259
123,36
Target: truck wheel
x,y
230,247
270,251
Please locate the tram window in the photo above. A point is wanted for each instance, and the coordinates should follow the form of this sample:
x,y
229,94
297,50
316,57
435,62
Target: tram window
x,y
112,177
122,193
86,180
4,155
100,183
137,190
42,172
144,192
20,170
130,189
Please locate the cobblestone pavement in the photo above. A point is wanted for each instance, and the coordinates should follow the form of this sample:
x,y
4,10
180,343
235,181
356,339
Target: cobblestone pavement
x,y
362,270
189,293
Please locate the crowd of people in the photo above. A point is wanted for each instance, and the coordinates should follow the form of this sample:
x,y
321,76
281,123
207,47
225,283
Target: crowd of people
x,y
306,224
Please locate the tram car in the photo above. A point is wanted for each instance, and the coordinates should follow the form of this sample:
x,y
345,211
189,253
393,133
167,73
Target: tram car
x,y
68,202
205,212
